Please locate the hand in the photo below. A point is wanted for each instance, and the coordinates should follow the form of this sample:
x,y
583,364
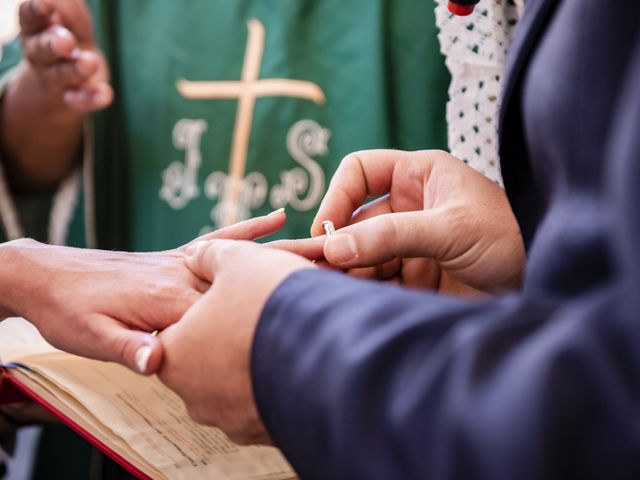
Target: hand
x,y
440,224
207,353
59,46
103,304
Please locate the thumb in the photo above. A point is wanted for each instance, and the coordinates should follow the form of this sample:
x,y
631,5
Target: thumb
x,y
382,238
116,342
204,258
147,357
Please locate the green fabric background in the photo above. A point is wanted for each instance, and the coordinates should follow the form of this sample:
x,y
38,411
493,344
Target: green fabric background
x,y
377,61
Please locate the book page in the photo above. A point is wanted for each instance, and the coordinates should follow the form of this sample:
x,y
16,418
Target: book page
x,y
137,416
153,421
77,413
19,338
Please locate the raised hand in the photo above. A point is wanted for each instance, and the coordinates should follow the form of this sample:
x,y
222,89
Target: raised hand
x,y
59,45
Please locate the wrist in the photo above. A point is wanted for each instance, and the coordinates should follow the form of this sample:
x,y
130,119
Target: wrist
x,y
13,275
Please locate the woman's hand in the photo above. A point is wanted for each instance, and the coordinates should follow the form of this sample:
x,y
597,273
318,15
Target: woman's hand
x,y
104,305
439,224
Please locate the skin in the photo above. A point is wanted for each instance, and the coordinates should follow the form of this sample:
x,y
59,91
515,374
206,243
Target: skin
x,y
437,211
438,223
217,332
63,77
137,293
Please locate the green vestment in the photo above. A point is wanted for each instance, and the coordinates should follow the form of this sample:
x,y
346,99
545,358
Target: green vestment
x,y
227,109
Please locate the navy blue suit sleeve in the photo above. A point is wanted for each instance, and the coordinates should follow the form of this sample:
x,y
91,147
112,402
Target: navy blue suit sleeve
x,y
357,380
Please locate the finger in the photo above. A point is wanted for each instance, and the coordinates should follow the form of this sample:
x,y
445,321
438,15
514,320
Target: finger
x,y
380,239
77,17
309,248
74,75
379,206
385,271
251,229
360,175
326,265
204,258
421,273
50,46
35,16
366,273
89,100
111,340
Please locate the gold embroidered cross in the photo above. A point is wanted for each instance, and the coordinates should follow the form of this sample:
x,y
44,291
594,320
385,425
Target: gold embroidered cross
x,y
247,90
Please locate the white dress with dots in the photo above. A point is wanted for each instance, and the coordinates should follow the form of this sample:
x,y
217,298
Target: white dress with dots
x,y
475,48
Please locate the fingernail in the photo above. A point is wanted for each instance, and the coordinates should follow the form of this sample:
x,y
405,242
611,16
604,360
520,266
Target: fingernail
x,y
276,212
193,249
341,248
76,53
100,97
142,358
61,31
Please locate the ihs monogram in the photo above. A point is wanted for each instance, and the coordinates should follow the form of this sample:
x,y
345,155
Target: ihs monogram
x,y
236,192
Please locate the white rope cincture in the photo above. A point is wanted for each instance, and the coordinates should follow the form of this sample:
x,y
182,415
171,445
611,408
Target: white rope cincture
x,y
88,170
63,206
8,212
9,217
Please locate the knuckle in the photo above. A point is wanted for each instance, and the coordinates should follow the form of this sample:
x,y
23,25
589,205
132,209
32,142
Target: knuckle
x,y
390,228
178,296
353,161
226,250
165,290
124,348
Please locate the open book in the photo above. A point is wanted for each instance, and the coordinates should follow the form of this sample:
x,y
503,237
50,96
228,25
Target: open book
x,y
136,420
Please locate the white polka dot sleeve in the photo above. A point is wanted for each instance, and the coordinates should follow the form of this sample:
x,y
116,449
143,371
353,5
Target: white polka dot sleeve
x,y
475,48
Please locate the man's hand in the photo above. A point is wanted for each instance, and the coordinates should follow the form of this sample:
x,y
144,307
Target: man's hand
x,y
439,223
207,354
104,305
59,45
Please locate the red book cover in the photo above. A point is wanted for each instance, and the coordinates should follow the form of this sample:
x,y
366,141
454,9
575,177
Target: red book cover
x,y
13,391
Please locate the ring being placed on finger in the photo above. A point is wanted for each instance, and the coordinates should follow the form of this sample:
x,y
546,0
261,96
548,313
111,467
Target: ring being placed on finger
x,y
329,229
